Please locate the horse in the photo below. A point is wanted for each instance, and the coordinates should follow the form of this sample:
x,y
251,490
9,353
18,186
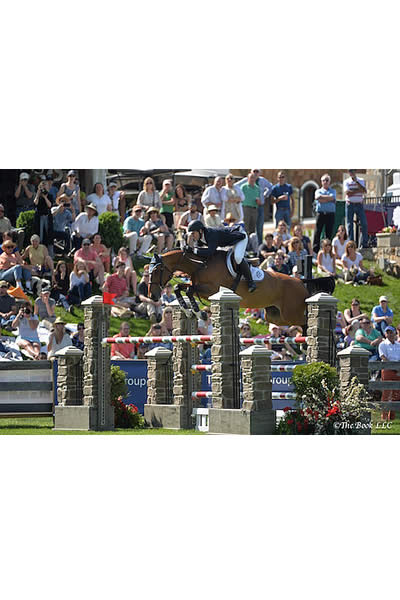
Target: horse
x,y
283,297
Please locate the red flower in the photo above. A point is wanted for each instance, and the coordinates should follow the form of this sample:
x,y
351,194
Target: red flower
x,y
332,411
290,421
299,427
286,409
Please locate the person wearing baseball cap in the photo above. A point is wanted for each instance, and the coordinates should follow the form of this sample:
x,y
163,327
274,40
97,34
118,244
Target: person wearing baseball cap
x,y
382,315
389,351
24,194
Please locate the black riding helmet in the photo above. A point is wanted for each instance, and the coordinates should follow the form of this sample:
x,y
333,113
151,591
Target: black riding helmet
x,y
195,226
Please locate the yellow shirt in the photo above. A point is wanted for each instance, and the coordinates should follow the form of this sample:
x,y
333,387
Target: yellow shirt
x,y
37,255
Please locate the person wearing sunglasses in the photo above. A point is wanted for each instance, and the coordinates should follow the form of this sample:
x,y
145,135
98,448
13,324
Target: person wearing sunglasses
x,y
282,196
368,338
325,198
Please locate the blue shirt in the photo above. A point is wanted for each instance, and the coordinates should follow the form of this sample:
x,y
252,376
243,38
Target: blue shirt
x,y
61,220
325,207
378,310
279,190
131,224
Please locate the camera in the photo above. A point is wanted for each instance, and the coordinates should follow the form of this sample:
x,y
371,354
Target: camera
x,y
27,311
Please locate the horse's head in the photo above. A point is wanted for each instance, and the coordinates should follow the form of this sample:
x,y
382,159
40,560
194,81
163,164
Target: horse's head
x,y
159,277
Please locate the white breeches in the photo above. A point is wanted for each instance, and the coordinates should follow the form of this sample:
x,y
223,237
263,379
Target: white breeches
x,y
240,249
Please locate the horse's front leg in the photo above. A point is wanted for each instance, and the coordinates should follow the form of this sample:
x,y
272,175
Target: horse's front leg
x,y
178,289
195,307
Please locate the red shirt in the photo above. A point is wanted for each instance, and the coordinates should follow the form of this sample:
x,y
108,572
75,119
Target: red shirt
x,y
116,285
90,254
125,349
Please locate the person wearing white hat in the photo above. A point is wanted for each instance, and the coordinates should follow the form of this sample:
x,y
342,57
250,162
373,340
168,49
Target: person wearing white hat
x,y
382,315
24,194
212,218
85,225
118,201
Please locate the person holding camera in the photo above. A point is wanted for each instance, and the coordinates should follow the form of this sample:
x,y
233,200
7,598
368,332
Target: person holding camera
x,y
43,219
63,217
72,191
27,323
24,194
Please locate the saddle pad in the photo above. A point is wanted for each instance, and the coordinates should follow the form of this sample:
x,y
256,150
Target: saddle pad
x,y
257,274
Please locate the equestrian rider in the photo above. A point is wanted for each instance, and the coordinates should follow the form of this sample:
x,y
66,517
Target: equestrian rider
x,y
224,236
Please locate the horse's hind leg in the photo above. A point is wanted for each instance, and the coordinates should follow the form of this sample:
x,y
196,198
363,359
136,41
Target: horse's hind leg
x,y
273,315
193,303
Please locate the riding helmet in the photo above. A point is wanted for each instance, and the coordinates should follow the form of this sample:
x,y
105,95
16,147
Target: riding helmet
x,y
195,226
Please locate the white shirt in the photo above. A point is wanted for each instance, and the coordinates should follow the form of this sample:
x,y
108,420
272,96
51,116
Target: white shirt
x,y
350,263
339,247
84,227
389,350
100,203
351,186
212,195
115,201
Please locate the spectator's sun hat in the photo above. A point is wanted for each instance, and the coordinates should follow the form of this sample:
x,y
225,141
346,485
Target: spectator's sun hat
x,y
3,284
152,209
113,184
59,321
212,207
86,242
23,176
383,299
70,173
93,207
167,181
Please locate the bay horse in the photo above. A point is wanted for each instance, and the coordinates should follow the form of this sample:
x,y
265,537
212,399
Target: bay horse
x,y
283,297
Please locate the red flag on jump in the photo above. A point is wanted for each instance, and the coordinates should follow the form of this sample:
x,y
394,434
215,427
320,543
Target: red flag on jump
x,y
108,298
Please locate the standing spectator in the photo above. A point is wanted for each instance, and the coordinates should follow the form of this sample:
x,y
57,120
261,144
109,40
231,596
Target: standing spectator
x,y
181,200
148,306
355,189
130,273
389,351
45,307
63,216
43,219
167,202
78,338
149,195
339,244
118,201
58,339
326,210
234,198
282,196
80,288
40,262
368,338
167,295
133,225
85,225
124,351
102,252
265,190
101,201
156,226
71,191
212,218
27,325
24,194
326,260
11,268
296,251
382,315
53,191
298,232
216,195
93,263
60,287
5,223
8,307
251,202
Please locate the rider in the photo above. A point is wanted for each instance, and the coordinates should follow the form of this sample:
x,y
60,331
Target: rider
x,y
224,236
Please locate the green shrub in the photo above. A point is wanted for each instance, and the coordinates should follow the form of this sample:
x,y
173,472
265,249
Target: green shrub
x,y
315,379
25,221
111,231
126,416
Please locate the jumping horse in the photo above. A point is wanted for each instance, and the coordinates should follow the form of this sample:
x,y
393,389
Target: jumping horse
x,y
283,297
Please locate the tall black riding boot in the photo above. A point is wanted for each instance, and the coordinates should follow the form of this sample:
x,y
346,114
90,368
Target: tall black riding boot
x,y
245,271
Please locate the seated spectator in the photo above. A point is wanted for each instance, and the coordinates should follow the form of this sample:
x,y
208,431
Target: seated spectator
x,y
279,265
70,189
181,200
80,288
354,312
58,339
117,284
101,201
27,324
326,260
102,252
389,351
130,273
11,236
278,243
85,225
8,307
350,333
353,267
212,218
158,229
43,219
123,351
40,262
283,231
245,330
78,338
11,269
92,261
60,287
369,338
229,220
167,295
149,196
166,321
296,251
148,306
5,223
24,195
45,308
382,315
298,232
267,249
63,217
339,244
204,324
190,215
139,241
156,331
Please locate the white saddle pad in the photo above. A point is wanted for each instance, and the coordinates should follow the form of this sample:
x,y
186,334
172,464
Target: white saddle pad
x,y
257,274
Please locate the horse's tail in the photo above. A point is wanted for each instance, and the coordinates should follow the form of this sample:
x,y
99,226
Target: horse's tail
x,y
321,284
